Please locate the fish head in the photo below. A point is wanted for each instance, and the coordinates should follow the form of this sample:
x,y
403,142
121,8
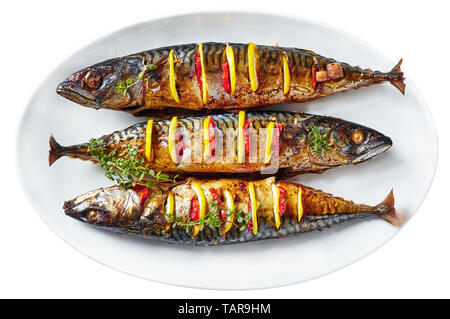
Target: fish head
x,y
97,85
334,142
108,207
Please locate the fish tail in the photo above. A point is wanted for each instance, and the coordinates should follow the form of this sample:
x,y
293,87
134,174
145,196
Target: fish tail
x,y
387,209
56,150
396,77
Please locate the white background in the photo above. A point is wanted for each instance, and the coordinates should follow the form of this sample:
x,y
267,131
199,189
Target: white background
x,y
37,36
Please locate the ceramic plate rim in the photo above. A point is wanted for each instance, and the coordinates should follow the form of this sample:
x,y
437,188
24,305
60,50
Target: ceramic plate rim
x,y
424,105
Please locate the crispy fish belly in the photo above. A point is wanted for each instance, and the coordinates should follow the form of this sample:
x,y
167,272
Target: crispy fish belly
x,y
276,143
216,76
224,211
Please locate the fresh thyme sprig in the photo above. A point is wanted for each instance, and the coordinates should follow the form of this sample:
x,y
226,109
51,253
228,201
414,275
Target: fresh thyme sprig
x,y
123,86
243,219
127,171
211,219
317,142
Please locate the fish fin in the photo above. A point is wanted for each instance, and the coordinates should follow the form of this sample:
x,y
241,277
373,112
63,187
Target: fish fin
x,y
387,209
397,78
56,151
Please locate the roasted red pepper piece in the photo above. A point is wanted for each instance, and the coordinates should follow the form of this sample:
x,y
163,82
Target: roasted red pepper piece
x,y
212,138
215,196
195,209
250,221
226,77
143,193
246,136
282,204
198,69
250,224
279,129
179,138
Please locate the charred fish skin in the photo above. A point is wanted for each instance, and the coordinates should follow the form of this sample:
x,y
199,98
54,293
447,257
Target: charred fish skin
x,y
282,75
124,211
348,143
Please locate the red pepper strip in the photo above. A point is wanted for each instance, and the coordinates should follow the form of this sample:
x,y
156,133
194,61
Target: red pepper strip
x,y
143,193
282,203
226,77
179,138
246,136
250,221
215,197
195,209
279,129
212,138
315,67
198,69
276,141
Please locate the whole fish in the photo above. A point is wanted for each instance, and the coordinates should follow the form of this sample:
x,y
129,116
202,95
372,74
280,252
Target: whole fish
x,y
216,76
224,211
299,143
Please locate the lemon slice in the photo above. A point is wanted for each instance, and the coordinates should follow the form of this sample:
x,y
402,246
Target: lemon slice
x,y
170,208
230,59
202,202
202,62
269,134
287,75
253,66
206,135
300,203
251,190
276,205
172,128
241,152
148,141
172,78
229,204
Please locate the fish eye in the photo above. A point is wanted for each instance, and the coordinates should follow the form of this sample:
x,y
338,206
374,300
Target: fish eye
x,y
357,136
93,79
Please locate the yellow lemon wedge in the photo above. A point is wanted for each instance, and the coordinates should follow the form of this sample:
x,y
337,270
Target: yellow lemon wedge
x,y
206,135
230,59
253,66
202,203
276,205
240,144
170,208
229,204
148,141
202,62
251,190
172,78
300,204
172,150
287,75
269,135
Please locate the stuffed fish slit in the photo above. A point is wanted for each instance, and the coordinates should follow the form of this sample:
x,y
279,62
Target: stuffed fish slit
x,y
275,143
214,212
216,76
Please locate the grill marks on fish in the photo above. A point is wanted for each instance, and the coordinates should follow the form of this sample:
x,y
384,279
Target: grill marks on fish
x,y
154,93
107,208
295,154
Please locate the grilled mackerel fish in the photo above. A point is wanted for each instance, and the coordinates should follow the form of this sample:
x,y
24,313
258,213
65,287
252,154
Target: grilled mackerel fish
x,y
276,143
225,211
215,76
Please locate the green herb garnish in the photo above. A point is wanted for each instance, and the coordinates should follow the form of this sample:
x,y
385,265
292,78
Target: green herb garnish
x,y
317,141
123,86
127,171
211,219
